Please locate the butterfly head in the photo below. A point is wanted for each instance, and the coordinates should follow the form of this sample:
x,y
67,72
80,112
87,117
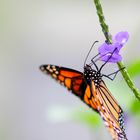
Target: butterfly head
x,y
92,75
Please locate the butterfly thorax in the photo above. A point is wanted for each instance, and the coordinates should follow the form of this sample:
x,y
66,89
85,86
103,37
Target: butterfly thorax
x,y
92,75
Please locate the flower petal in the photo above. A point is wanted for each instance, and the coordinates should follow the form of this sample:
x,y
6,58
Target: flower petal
x,y
114,59
107,48
122,37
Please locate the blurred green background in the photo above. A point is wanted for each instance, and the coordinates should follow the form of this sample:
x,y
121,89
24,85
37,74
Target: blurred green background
x,y
35,32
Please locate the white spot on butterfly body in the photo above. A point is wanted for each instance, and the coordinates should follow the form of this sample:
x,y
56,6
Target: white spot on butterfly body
x,y
56,72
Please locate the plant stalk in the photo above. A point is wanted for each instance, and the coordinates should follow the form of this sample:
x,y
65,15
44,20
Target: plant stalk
x,y
108,37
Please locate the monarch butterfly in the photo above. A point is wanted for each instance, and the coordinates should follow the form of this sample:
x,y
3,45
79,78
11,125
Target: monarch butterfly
x,y
91,89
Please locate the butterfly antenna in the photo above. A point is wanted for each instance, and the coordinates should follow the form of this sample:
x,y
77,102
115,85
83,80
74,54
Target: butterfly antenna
x,y
89,52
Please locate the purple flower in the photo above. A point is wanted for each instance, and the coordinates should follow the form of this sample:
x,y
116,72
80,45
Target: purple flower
x,y
110,52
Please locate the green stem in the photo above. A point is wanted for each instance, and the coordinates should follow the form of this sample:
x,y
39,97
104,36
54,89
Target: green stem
x,y
104,26
128,80
108,37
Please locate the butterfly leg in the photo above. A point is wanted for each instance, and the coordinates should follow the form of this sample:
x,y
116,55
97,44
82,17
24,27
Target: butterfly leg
x,y
114,74
94,61
95,57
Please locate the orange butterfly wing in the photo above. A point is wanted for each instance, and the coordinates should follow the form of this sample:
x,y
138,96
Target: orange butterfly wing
x,y
73,80
98,98
109,110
